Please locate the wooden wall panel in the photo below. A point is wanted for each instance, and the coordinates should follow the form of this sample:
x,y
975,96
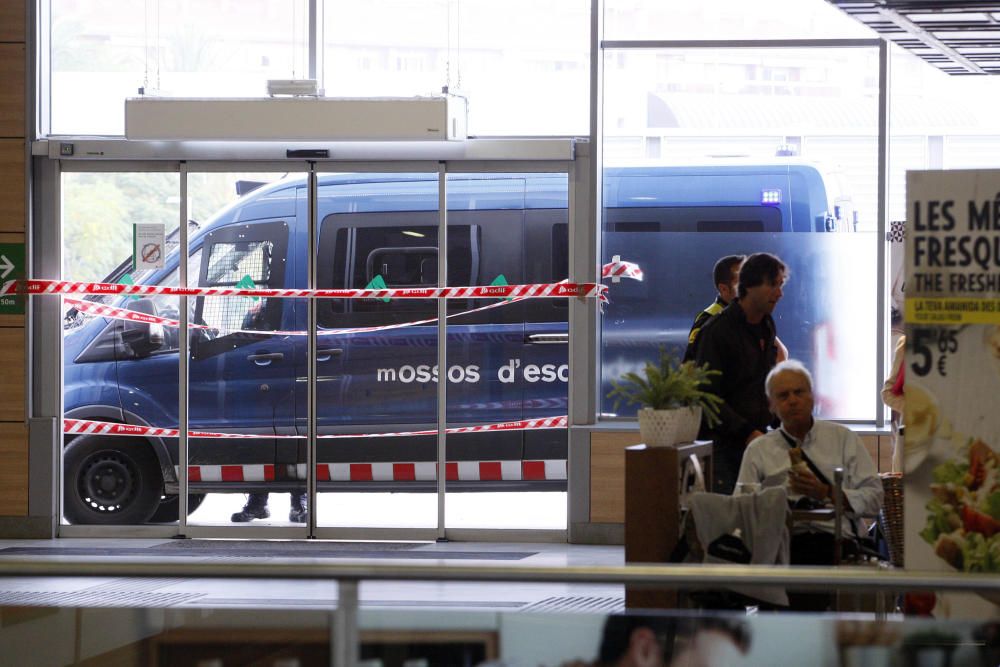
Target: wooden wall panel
x,y
884,460
871,444
12,21
13,431
12,188
12,64
12,362
607,474
13,469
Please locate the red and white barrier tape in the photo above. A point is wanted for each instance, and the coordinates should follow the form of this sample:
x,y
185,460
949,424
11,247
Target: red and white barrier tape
x,y
90,427
116,313
618,268
390,471
541,290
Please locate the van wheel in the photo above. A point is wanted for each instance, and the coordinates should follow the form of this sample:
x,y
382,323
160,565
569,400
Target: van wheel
x,y
110,481
169,508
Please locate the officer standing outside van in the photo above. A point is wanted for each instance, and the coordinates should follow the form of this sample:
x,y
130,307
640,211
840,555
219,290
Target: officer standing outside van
x,y
741,343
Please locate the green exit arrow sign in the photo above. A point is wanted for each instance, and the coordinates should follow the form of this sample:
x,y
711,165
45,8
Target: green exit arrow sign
x,y
11,268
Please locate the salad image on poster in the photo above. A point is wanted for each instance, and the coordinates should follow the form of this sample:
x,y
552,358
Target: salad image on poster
x,y
963,516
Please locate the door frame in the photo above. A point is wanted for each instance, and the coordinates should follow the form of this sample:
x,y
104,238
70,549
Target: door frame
x,y
567,156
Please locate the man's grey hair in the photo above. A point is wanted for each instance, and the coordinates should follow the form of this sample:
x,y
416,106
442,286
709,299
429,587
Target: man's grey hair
x,y
791,366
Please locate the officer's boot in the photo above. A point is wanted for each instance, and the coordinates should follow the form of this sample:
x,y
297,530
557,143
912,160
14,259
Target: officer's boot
x,y
299,511
256,508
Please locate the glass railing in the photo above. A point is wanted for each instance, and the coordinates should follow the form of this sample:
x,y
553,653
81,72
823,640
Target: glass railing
x,y
333,625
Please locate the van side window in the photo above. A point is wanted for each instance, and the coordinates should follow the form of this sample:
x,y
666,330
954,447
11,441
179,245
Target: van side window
x,y
246,255
694,219
395,250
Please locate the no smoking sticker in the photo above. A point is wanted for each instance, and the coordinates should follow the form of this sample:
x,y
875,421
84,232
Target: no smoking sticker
x,y
147,246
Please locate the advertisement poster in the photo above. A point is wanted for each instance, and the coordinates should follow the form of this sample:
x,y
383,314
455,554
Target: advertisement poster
x,y
952,379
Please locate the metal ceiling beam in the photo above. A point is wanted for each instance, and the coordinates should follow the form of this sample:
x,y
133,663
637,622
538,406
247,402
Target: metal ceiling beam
x,y
929,39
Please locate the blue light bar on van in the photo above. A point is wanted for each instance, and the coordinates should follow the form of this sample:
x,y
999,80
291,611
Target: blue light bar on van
x,y
770,197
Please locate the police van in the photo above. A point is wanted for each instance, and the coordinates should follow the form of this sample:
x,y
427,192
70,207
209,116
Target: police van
x,y
503,364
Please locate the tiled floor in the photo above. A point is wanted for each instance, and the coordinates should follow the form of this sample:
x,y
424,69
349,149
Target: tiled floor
x,y
311,594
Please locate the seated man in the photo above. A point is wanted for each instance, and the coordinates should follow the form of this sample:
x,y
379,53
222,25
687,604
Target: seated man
x,y
821,446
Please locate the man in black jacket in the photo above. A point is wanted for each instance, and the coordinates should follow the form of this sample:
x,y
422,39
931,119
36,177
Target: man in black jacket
x,y
741,343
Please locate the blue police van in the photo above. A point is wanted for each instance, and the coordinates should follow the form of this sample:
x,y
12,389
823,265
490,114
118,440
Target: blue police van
x,y
503,364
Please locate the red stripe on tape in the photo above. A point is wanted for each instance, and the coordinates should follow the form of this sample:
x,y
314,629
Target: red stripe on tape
x,y
194,473
361,472
268,473
323,472
232,473
451,472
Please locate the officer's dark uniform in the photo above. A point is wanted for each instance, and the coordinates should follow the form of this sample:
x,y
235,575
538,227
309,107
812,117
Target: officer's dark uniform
x,y
714,309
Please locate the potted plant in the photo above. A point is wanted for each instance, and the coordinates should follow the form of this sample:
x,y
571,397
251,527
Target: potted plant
x,y
672,398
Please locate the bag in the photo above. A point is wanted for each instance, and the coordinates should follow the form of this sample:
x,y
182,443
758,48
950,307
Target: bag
x,y
729,548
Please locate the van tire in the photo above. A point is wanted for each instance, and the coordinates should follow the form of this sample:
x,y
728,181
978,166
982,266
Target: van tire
x,y
110,480
168,510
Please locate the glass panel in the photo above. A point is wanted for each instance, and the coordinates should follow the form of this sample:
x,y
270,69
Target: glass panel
x,y
114,369
758,159
521,76
729,19
378,230
508,363
242,373
812,317
200,632
169,48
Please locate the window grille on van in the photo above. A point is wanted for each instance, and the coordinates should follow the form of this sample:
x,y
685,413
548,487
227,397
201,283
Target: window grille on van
x,y
243,264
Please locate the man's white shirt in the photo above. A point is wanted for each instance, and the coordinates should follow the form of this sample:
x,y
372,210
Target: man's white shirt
x,y
828,445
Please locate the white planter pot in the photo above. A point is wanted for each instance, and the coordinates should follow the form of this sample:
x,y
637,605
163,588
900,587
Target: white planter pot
x,y
665,428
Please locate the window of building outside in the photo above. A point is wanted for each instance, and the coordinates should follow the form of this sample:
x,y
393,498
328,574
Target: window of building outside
x,y
522,77
736,151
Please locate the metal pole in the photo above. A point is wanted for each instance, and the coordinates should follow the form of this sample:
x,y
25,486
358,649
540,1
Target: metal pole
x,y
344,631
442,347
311,417
882,222
183,367
695,575
838,514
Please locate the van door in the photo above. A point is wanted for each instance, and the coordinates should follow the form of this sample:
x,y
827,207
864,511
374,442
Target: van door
x,y
386,380
238,376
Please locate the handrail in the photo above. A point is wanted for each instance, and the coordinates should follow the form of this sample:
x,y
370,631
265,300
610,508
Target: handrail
x,y
674,576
